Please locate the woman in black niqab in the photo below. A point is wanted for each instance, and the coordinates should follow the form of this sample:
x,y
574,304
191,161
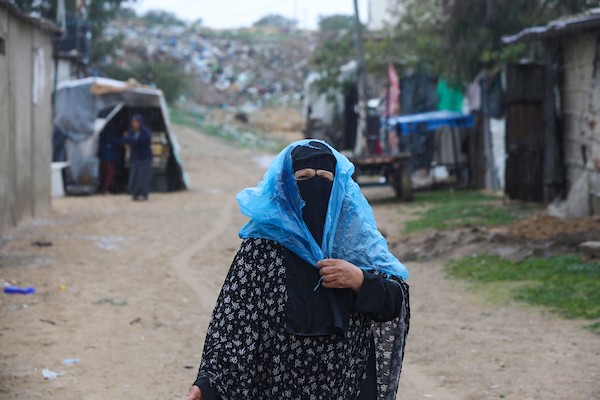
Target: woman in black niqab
x,y
285,329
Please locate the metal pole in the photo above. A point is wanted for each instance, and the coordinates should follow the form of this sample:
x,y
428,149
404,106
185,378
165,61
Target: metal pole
x,y
362,83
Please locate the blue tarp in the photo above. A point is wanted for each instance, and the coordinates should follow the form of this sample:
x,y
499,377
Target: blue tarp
x,y
351,234
429,121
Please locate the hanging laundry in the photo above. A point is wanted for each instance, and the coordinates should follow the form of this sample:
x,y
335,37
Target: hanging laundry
x,y
450,98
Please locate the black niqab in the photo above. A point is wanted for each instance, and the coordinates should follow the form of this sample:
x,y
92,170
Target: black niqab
x,y
310,311
314,191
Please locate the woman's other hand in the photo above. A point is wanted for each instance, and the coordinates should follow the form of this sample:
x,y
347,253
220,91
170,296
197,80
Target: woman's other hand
x,y
340,274
194,393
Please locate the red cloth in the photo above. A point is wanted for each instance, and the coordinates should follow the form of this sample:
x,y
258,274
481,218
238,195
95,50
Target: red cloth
x,y
393,94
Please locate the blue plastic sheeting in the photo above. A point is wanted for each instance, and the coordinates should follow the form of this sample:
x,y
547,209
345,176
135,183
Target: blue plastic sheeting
x,y
275,211
429,121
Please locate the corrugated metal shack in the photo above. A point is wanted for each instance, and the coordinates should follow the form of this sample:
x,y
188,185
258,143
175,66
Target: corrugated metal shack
x,y
25,114
569,109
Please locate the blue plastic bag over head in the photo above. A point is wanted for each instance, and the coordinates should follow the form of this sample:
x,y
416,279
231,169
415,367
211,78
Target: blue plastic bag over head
x,y
350,232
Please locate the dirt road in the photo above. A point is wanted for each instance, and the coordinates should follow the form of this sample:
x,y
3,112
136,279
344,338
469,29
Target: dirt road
x,y
128,289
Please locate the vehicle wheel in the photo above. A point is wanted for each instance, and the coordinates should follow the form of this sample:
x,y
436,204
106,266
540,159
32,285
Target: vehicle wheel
x,y
402,183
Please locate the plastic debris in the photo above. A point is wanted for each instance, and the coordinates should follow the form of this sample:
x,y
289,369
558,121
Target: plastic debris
x,y
18,290
231,67
48,374
69,361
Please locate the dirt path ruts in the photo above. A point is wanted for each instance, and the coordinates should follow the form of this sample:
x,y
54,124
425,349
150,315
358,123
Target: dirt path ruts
x,y
140,281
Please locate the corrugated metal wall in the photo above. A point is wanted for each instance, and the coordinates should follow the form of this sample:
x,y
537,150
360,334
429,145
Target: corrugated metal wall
x,y
525,132
25,127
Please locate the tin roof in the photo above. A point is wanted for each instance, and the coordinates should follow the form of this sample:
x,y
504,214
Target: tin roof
x,y
41,23
560,27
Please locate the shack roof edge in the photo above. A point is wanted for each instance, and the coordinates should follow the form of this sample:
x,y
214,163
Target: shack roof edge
x,y
560,27
42,23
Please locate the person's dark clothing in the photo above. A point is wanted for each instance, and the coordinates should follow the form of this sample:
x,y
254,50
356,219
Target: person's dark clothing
x,y
109,148
368,390
277,333
108,171
313,310
140,143
140,157
140,179
249,353
108,153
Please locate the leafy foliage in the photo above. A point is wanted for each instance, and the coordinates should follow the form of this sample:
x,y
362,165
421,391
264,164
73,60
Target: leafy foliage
x,y
98,12
167,76
458,38
337,22
160,17
276,21
127,13
335,48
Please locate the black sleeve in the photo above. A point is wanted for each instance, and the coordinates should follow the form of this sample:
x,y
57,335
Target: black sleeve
x,y
381,299
208,391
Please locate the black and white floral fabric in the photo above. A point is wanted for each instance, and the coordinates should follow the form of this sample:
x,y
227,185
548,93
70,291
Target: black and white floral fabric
x,y
249,355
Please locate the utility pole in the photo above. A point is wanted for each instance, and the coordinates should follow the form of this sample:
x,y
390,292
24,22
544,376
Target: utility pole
x,y
363,90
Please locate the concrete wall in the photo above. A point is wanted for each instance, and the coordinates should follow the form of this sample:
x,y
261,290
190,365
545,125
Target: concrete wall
x,y
581,108
380,13
25,127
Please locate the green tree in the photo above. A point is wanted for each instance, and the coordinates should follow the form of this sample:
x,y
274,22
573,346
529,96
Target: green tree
x,y
458,38
197,24
97,12
160,17
168,76
276,21
334,49
127,13
415,40
337,22
100,13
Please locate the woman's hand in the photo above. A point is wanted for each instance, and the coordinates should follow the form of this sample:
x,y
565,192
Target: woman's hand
x,y
194,394
340,274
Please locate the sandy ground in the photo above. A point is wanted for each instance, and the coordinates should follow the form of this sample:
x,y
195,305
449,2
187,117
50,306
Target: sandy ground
x,y
128,288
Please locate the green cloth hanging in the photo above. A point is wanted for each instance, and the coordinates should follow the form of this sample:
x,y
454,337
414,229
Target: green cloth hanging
x,y
449,98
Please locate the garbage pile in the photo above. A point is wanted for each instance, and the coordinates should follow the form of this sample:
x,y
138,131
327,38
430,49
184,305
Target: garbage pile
x,y
232,67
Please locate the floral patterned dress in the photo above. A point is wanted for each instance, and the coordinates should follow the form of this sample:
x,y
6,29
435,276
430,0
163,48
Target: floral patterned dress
x,y
249,355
